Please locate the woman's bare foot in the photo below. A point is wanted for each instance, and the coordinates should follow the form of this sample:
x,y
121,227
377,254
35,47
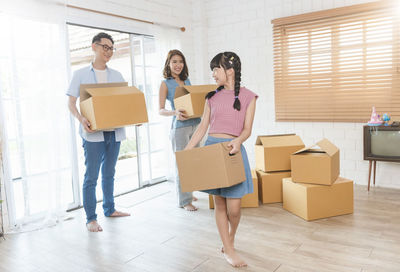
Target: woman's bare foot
x,y
195,198
234,259
190,207
119,214
93,226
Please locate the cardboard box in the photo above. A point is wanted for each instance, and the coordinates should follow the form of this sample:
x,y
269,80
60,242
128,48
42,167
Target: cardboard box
x,y
248,201
316,166
209,167
312,202
112,105
273,151
191,98
270,186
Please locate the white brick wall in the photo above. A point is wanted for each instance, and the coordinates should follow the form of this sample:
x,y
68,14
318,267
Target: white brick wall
x,y
245,27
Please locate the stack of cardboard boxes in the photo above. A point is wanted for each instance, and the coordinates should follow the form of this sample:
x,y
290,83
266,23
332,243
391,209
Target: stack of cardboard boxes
x,y
315,189
273,164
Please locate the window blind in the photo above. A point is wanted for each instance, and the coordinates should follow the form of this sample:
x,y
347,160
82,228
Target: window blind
x,y
334,65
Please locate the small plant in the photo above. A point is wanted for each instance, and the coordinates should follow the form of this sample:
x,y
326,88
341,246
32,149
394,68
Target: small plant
x,y
128,149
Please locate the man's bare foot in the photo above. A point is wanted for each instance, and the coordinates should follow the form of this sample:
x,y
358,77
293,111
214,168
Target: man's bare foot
x,y
234,259
119,214
190,207
195,198
93,226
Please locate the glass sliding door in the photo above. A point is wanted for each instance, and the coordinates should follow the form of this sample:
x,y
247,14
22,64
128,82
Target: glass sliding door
x,y
154,141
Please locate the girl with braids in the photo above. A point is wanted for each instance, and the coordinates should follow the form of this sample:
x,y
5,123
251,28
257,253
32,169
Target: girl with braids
x,y
176,74
229,114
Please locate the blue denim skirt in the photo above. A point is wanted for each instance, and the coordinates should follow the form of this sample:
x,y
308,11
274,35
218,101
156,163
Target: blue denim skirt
x,y
238,190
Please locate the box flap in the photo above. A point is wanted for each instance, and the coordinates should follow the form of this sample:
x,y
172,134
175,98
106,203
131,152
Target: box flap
x,y
279,140
112,91
85,95
182,90
303,149
325,147
309,149
328,147
258,141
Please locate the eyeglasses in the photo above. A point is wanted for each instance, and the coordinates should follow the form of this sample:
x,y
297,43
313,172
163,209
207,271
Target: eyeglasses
x,y
107,48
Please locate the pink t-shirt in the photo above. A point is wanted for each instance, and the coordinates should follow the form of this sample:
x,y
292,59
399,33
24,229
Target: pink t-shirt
x,y
223,117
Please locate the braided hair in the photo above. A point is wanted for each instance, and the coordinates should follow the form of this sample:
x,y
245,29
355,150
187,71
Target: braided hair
x,y
226,61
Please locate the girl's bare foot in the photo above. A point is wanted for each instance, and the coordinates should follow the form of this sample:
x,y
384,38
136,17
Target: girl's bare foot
x,y
190,207
232,243
119,214
93,226
234,259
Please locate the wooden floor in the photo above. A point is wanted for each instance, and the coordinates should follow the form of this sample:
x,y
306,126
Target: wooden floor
x,y
161,237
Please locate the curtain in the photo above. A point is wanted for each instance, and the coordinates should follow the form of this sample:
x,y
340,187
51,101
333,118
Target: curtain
x,y
34,114
2,195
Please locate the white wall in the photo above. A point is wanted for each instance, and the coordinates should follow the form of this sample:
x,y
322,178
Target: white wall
x,y
245,27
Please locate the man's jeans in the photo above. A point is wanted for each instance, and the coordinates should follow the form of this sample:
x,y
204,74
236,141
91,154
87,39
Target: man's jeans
x,y
104,155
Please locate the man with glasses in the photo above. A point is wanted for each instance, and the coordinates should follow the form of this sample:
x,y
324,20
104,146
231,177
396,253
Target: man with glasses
x,y
101,147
